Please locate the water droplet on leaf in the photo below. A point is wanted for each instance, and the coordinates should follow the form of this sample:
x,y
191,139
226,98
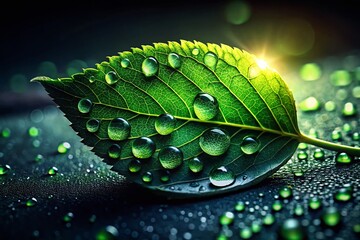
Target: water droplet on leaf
x,y
291,229
53,171
84,105
226,218
165,124
174,60
114,151
250,145
31,202
134,166
170,157
210,59
111,77
33,131
214,142
195,165
125,63
64,147
4,169
331,217
206,107
221,177
343,158
119,129
147,177
349,110
143,147
195,51
92,125
150,66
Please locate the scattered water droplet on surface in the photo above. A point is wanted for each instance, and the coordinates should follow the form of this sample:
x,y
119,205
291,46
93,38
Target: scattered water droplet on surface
x,y
336,135
33,132
298,210
268,219
285,192
349,110
210,59
250,145
111,78
319,154
170,157
302,155
125,63
4,169
150,66
84,105
214,142
118,129
108,233
310,72
314,203
63,147
174,60
114,151
343,158
277,206
165,124
309,104
39,158
221,177
226,218
246,233
343,195
53,171
68,217
330,106
291,229
340,78
31,202
206,107
134,166
240,206
331,217
195,165
6,132
92,125
143,147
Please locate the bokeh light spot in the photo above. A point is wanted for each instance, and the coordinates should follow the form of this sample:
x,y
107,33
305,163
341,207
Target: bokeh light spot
x,y
237,12
310,72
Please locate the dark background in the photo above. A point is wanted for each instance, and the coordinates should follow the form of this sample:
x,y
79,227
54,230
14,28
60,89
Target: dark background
x,y
61,31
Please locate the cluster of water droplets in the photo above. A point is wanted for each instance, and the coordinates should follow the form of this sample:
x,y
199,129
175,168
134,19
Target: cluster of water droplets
x,y
213,142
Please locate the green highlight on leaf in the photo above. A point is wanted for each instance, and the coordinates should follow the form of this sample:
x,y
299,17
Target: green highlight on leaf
x,y
186,119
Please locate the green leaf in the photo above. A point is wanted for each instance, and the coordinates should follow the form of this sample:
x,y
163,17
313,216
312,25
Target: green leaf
x,y
188,119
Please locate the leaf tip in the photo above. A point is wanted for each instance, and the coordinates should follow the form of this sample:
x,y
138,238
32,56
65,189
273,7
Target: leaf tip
x,y
41,79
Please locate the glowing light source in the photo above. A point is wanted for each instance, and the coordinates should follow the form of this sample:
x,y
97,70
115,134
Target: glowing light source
x,y
262,64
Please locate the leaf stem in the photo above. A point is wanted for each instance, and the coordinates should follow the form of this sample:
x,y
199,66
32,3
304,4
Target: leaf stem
x,y
354,151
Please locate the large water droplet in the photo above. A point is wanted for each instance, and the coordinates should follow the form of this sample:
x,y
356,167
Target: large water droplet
x,y
250,145
150,66
214,142
92,125
221,177
111,77
84,105
174,60
114,151
170,157
119,129
206,107
195,165
165,124
210,59
143,147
